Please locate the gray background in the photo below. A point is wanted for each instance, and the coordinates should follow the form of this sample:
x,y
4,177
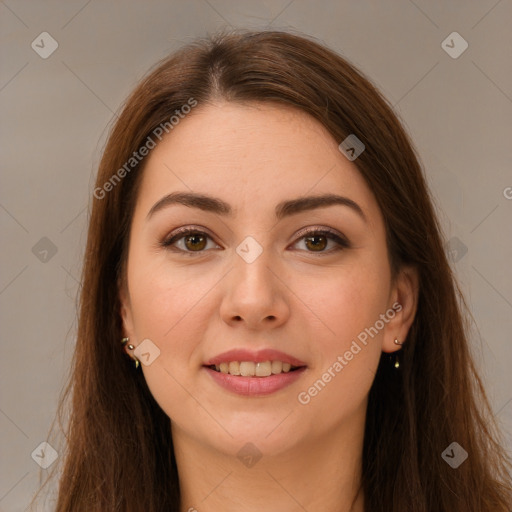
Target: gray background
x,y
55,113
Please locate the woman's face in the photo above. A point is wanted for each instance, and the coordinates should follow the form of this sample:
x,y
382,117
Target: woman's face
x,y
254,284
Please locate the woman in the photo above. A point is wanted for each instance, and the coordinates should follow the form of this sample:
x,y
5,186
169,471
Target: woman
x,y
263,246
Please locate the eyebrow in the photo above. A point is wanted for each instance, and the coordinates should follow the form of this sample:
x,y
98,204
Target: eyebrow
x,y
282,210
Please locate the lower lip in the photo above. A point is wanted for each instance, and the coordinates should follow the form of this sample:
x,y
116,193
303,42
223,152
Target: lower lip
x,y
255,386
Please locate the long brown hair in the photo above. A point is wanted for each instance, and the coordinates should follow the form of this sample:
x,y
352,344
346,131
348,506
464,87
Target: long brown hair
x,y
119,452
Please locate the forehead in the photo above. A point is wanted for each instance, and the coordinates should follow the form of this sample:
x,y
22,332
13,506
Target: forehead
x,y
253,156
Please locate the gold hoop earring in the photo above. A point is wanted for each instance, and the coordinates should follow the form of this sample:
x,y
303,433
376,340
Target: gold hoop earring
x,y
124,341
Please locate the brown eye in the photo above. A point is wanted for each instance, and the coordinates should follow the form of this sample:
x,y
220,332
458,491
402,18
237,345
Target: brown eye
x,y
316,242
191,241
195,242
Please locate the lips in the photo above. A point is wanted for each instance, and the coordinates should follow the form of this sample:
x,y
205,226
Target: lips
x,y
259,356
259,373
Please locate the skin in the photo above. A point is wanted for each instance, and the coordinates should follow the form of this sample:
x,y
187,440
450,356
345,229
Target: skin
x,y
310,304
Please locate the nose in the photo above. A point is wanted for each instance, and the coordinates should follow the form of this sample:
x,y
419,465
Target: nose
x,y
255,294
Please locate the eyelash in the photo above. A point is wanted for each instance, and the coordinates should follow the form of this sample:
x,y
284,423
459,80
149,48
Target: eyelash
x,y
342,242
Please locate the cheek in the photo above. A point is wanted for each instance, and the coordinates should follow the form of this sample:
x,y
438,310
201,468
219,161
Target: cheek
x,y
169,308
344,300
166,298
348,302
172,306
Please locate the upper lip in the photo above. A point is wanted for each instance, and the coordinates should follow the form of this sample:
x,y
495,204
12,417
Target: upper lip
x,y
257,357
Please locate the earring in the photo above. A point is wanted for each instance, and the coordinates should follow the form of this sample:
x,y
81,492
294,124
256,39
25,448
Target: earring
x,y
130,347
397,362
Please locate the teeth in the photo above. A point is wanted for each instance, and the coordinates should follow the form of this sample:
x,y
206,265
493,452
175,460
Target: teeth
x,y
251,369
277,366
263,369
234,368
247,369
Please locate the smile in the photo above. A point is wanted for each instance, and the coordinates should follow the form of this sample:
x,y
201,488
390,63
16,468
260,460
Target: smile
x,y
254,372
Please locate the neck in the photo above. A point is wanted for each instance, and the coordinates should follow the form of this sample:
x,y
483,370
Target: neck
x,y
321,474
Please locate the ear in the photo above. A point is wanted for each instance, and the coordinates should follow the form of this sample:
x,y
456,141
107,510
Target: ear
x,y
126,313
404,301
